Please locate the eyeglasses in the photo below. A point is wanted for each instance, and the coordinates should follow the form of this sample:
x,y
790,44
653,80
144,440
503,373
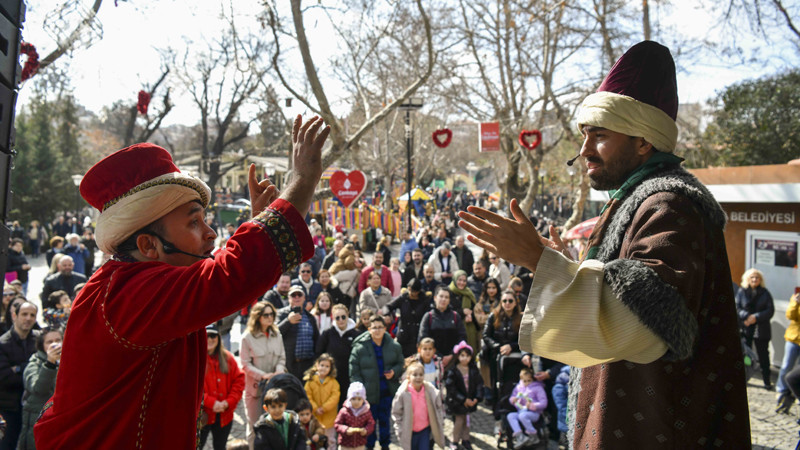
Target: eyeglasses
x,y
305,271
340,317
296,294
508,300
7,294
268,315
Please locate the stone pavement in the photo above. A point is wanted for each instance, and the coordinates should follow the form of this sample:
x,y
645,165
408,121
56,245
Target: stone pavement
x,y
769,430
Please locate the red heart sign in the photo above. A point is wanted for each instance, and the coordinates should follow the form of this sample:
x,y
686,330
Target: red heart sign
x,y
525,134
442,137
347,187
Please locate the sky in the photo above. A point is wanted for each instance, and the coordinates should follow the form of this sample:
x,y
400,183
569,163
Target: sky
x,y
126,58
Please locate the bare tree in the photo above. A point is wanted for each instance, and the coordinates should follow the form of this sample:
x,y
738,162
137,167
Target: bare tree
x,y
134,132
523,71
361,51
221,80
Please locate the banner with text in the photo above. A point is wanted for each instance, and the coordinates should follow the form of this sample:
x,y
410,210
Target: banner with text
x,y
489,137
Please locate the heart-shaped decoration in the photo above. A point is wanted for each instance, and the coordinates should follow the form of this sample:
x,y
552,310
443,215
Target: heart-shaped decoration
x,y
530,145
442,137
347,187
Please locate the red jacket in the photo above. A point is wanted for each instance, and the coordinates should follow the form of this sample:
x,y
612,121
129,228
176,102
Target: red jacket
x,y
220,386
345,419
134,356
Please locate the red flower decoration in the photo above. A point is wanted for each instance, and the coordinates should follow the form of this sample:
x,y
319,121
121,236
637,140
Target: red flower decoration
x,y
525,134
442,142
32,63
144,102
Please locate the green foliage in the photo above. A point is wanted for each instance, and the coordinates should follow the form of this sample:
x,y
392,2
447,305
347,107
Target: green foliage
x,y
759,122
40,179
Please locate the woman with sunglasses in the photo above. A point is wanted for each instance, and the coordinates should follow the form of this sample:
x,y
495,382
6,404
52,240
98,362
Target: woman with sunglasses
x,y
501,337
222,391
262,356
337,342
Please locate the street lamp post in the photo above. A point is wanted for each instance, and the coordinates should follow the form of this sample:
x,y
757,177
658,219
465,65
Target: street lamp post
x,y
542,174
76,180
411,104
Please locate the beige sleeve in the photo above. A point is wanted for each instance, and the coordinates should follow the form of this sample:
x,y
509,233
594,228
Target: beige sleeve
x,y
572,316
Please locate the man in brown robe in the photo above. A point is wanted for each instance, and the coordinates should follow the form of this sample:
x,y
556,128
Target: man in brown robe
x,y
648,317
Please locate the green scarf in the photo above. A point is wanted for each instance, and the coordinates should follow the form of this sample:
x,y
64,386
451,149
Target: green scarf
x,y
657,162
465,293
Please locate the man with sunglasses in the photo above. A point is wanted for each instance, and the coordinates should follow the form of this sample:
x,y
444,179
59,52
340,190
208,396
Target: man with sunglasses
x,y
311,287
300,333
143,314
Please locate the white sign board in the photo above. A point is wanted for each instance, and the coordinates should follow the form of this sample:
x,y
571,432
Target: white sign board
x,y
775,254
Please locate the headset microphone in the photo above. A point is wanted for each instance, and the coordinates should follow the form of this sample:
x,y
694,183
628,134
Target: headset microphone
x,y
572,161
169,248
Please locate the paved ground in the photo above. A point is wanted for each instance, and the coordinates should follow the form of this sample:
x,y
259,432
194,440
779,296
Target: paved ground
x,y
769,430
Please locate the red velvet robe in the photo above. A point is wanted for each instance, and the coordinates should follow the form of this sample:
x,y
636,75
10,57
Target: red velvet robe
x,y
134,353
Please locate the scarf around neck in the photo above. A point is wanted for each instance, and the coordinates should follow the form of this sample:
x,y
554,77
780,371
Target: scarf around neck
x,y
466,294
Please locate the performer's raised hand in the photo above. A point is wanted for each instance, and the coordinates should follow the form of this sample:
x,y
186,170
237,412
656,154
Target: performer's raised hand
x,y
307,142
262,193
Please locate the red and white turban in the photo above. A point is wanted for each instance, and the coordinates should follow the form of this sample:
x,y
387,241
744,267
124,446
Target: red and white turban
x,y
639,97
133,188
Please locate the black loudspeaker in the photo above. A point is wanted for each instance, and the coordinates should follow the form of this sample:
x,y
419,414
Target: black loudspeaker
x,y
12,15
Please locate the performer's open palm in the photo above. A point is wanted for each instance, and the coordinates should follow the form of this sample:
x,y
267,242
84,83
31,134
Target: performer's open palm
x,y
513,239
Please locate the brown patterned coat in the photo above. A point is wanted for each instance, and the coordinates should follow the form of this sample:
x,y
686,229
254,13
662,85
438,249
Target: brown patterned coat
x,y
666,370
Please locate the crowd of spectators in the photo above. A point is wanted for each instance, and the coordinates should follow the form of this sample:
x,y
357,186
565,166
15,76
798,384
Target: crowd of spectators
x,y
371,315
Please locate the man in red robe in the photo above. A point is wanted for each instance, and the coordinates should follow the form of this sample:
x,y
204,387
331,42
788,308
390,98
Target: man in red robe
x,y
134,354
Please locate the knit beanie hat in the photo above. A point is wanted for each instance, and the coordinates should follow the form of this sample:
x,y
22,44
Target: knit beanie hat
x,y
639,97
356,389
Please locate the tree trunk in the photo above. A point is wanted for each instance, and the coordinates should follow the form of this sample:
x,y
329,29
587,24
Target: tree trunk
x,y
580,203
646,20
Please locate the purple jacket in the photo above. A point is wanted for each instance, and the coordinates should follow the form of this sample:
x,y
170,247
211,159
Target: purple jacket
x,y
523,395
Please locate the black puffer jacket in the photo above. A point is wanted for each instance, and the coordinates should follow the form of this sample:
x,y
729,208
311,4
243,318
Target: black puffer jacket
x,y
496,337
457,392
15,262
411,313
267,435
14,356
756,301
445,327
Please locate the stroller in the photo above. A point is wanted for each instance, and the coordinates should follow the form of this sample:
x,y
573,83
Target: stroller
x,y
289,383
508,368
541,425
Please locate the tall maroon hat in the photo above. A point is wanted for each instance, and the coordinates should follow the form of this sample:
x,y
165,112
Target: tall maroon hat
x,y
639,97
134,187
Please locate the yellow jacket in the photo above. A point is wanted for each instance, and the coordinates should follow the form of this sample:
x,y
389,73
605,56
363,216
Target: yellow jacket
x,y
325,395
793,314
